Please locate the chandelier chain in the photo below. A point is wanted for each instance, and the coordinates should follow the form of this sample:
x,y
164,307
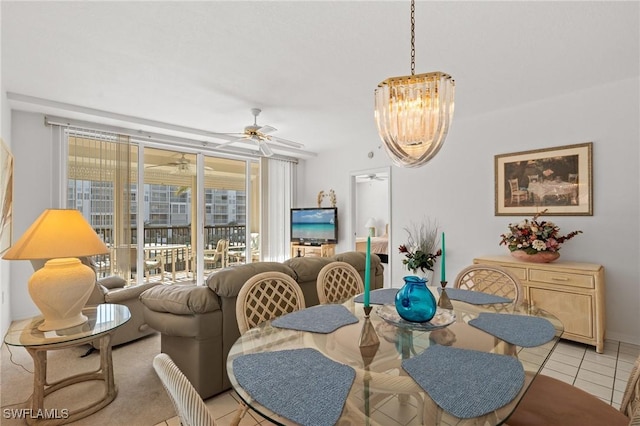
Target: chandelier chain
x,y
413,38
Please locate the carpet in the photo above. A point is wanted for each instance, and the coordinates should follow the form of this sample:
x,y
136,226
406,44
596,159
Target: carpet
x,y
141,399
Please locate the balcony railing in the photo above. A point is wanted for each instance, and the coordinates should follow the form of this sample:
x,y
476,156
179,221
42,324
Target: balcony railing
x,y
180,235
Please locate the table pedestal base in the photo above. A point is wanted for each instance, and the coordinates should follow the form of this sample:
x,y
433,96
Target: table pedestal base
x,y
39,415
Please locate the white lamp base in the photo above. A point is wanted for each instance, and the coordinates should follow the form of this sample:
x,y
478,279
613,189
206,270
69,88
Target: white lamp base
x,y
60,290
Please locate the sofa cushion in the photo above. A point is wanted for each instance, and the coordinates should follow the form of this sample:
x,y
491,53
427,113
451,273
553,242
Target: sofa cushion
x,y
357,260
180,299
227,282
307,268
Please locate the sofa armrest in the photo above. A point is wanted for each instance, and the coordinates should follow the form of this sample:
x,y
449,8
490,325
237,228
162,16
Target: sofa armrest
x,y
128,293
180,299
112,282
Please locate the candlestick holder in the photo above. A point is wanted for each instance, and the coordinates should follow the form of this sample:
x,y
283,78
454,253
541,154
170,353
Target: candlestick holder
x,y
369,342
444,302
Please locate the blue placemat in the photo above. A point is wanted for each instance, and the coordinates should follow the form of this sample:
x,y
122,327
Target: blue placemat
x,y
300,384
382,296
317,319
464,382
474,297
519,330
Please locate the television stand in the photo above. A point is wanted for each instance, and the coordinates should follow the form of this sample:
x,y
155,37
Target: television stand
x,y
321,250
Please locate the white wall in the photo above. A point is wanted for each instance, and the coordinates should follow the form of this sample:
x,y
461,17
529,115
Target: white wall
x,y
456,188
5,134
33,156
372,201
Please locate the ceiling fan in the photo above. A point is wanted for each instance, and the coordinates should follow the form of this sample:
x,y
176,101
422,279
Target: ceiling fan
x,y
370,177
181,166
260,135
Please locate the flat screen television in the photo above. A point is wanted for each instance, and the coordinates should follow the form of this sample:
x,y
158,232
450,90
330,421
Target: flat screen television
x,y
314,226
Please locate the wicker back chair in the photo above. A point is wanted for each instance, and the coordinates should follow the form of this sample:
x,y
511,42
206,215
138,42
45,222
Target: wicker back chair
x,y
338,281
490,279
189,406
266,296
549,401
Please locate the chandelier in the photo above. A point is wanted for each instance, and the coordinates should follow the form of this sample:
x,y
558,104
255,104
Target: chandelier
x,y
413,112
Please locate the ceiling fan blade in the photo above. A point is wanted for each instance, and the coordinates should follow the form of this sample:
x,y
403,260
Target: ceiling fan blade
x,y
265,148
267,129
229,142
286,142
163,165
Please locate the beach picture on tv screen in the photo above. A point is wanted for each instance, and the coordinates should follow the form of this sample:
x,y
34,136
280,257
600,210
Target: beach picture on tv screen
x,y
313,224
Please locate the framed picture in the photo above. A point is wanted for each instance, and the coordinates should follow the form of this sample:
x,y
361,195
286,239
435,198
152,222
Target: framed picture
x,y
556,179
6,196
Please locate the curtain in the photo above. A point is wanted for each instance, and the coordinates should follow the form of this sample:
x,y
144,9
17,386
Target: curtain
x,y
278,192
99,176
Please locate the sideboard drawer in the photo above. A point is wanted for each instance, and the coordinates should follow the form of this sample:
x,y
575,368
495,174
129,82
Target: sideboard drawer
x,y
520,273
552,277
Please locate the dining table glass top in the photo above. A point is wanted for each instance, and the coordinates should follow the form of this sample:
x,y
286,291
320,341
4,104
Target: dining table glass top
x,y
381,386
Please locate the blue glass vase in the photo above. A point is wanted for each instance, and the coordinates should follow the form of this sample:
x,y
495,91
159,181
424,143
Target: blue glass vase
x,y
414,301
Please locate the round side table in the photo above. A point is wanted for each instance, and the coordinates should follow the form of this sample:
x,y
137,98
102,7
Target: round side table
x,y
103,320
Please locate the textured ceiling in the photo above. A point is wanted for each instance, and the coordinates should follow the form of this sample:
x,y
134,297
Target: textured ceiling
x,y
311,66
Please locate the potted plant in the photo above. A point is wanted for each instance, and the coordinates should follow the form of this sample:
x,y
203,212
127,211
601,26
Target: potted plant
x,y
534,240
420,251
414,301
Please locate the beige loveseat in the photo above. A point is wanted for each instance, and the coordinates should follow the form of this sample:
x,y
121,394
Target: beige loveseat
x,y
198,323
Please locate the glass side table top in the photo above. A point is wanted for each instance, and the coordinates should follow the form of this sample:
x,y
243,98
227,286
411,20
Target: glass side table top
x,y
101,319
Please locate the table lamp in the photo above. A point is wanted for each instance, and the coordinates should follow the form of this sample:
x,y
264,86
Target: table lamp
x,y
371,226
62,287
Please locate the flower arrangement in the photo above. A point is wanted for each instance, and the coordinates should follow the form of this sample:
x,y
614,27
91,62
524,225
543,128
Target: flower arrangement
x,y
419,250
535,236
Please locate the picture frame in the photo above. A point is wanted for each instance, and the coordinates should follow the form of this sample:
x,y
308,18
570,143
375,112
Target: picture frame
x,y
6,197
558,179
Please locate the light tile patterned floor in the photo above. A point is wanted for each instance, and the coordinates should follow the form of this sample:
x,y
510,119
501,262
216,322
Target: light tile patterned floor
x,y
604,375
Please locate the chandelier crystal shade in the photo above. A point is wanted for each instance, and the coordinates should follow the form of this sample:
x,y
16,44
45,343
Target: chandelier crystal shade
x,y
413,113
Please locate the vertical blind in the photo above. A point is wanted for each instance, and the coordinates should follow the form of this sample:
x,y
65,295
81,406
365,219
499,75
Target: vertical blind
x,y
278,198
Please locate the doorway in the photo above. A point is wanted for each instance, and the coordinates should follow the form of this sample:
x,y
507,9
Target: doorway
x,y
371,214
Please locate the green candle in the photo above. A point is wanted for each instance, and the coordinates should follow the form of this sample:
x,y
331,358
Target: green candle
x,y
442,267
367,273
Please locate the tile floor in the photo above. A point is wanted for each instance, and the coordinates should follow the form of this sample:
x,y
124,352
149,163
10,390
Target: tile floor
x,y
603,375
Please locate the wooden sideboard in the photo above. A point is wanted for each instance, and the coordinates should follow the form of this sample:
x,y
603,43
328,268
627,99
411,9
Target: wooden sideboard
x,y
572,291
323,250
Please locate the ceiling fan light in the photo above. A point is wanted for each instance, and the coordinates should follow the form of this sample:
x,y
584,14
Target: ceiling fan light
x,y
413,114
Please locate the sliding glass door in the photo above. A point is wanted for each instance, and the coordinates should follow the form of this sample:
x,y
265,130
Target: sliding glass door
x,y
158,223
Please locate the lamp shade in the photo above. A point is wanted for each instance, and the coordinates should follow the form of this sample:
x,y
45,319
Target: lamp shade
x,y
57,233
371,225
62,287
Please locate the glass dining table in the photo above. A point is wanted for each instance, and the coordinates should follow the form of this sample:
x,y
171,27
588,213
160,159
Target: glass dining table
x,y
382,387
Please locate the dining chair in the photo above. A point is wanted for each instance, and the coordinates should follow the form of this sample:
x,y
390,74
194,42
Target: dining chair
x,y
517,194
490,279
155,262
220,254
127,259
266,296
189,406
338,281
550,402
